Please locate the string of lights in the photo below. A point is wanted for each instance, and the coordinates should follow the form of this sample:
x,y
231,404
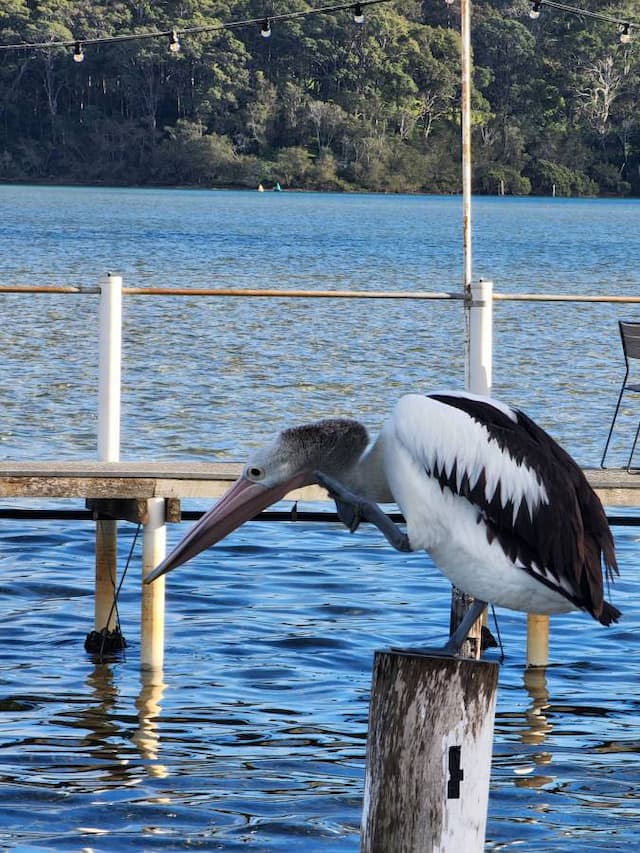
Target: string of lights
x,y
173,35
624,24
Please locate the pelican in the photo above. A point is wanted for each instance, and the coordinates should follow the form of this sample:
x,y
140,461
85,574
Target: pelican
x,y
504,512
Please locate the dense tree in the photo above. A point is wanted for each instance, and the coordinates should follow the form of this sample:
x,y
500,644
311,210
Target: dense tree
x,y
323,103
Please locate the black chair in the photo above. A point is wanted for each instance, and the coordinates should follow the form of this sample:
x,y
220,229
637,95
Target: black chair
x,y
630,336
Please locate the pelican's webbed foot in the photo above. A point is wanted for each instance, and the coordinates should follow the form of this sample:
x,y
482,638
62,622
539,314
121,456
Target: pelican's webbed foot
x,y
352,509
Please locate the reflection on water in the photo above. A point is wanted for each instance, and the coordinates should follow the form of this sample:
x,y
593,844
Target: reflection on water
x,y
535,682
537,728
102,723
146,736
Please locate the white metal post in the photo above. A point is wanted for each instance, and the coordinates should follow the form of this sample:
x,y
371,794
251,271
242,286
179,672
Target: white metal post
x,y
110,369
110,360
152,615
481,338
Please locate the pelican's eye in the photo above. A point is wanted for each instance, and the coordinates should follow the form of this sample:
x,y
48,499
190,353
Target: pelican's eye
x,y
255,472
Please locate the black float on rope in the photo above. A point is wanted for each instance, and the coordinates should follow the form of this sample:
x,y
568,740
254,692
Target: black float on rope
x,y
105,641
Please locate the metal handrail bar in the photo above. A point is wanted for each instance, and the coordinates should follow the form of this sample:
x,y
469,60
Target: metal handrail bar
x,y
562,297
316,294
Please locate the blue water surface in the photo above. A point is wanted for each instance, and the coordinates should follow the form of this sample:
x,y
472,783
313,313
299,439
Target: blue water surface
x,y
254,736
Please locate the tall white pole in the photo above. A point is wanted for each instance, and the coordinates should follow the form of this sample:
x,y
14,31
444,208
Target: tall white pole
x,y
460,602
110,369
465,121
465,61
110,361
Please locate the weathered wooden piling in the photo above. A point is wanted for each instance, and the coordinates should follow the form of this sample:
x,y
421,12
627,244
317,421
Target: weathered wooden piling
x,y
460,603
428,754
106,572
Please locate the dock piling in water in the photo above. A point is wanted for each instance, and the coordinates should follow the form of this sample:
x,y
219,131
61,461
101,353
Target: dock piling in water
x,y
537,640
152,607
428,754
106,574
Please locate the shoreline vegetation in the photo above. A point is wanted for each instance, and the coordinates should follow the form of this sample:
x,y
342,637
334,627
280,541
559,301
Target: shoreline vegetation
x,y
323,104
269,189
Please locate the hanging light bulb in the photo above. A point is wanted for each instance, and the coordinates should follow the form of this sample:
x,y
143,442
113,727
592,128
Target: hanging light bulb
x,y
358,14
625,34
78,54
174,42
265,32
535,10
449,2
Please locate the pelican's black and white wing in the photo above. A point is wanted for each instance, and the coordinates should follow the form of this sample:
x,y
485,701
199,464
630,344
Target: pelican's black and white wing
x,y
520,489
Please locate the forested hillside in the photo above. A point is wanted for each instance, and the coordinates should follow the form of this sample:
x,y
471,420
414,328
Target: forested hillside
x,y
323,103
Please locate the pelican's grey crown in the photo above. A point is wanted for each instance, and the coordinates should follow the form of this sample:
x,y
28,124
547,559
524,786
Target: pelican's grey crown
x,y
333,445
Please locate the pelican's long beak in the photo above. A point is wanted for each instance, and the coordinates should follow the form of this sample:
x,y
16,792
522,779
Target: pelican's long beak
x,y
242,502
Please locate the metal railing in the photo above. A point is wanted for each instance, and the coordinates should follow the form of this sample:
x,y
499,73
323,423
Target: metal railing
x,y
315,294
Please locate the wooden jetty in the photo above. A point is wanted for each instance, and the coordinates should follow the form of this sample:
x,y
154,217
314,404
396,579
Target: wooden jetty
x,y
151,493
147,493
90,479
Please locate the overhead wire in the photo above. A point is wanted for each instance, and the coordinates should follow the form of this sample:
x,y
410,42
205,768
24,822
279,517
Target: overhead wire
x,y
624,24
174,33
78,44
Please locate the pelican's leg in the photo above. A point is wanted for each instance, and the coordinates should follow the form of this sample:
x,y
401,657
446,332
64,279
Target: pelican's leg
x,y
453,645
352,509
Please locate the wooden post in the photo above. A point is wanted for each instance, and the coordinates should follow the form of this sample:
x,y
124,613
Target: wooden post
x,y
110,334
152,615
460,603
428,754
537,640
106,572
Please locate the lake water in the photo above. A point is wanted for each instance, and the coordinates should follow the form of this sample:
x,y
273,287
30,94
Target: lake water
x,y
254,738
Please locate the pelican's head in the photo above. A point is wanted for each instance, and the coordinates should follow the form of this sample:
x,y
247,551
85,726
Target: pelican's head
x,y
331,446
